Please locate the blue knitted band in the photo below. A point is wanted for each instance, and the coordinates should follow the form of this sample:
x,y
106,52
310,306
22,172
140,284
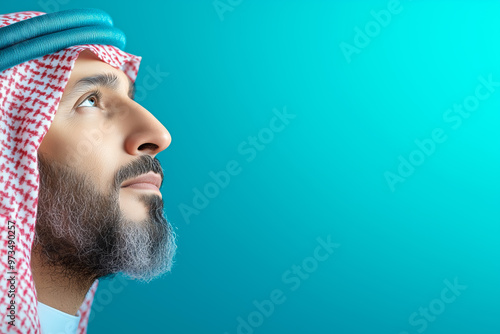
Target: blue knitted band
x,y
49,33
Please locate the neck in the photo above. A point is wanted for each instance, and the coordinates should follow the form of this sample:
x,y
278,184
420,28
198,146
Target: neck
x,y
58,288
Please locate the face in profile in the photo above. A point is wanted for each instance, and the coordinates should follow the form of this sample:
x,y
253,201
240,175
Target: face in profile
x,y
100,210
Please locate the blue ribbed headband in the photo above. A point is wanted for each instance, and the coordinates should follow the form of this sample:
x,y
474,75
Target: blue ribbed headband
x,y
45,34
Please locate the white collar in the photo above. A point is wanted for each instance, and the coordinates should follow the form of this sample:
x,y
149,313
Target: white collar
x,y
54,321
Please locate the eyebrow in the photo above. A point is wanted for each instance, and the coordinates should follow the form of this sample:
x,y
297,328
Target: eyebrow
x,y
107,80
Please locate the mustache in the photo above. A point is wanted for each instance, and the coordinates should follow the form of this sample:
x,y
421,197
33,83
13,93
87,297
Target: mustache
x,y
144,164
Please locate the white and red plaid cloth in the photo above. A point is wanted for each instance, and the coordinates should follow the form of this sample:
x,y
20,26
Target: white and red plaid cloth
x,y
29,97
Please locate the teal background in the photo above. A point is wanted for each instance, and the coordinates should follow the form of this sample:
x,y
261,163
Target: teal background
x,y
323,175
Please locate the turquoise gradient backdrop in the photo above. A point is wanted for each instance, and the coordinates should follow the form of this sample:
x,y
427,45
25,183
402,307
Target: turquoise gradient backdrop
x,y
361,105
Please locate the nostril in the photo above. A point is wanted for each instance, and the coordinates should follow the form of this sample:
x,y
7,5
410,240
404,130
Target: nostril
x,y
146,146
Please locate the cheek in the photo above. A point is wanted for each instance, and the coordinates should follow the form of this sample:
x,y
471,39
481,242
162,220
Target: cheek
x,y
55,142
66,143
93,151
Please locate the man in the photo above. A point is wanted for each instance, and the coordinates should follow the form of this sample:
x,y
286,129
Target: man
x,y
99,210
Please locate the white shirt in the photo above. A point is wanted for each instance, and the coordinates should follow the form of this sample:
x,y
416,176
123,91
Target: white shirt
x,y
54,321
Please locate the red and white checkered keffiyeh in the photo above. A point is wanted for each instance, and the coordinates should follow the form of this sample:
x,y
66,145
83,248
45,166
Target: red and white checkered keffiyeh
x,y
29,97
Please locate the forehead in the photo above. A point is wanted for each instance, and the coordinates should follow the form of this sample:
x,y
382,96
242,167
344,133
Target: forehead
x,y
89,66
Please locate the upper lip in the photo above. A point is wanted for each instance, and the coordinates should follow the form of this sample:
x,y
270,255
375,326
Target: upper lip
x,y
150,177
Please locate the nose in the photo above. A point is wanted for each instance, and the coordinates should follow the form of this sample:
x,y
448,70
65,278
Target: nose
x,y
145,134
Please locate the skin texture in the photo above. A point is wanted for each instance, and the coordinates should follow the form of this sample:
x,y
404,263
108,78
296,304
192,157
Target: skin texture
x,y
97,138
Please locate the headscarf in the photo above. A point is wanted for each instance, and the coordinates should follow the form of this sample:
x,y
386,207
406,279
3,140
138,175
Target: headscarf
x,y
29,97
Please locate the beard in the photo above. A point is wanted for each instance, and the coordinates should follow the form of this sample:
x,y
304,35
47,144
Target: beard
x,y
82,233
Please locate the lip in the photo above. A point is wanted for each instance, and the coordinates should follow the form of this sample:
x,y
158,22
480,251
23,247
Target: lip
x,y
150,180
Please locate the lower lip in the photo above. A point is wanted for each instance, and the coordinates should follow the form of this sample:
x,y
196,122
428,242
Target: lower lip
x,y
143,186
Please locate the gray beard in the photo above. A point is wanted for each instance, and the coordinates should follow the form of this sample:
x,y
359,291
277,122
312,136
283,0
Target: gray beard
x,y
82,233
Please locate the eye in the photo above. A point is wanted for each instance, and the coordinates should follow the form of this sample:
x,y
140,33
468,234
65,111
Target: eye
x,y
90,101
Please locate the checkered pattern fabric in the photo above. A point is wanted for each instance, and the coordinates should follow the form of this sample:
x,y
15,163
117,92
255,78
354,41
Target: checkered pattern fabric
x,y
29,97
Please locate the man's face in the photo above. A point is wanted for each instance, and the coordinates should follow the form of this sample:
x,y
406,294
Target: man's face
x,y
99,209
